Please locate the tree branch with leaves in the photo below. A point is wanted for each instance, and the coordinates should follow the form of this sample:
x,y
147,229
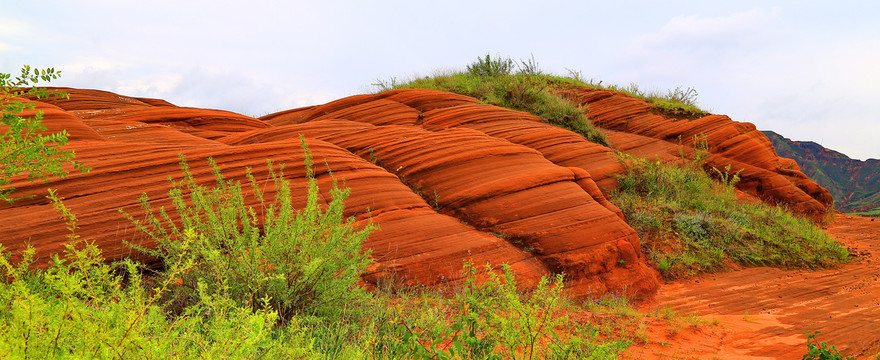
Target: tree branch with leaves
x,y
25,148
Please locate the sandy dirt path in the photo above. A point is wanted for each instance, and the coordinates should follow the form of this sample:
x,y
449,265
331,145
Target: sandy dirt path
x,y
764,312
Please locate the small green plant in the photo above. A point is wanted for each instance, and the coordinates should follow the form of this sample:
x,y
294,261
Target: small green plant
x,y
576,75
820,350
435,203
374,158
24,149
684,96
748,318
530,67
725,177
489,66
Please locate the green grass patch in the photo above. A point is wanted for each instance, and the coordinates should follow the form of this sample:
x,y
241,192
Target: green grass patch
x,y
524,86
676,103
530,93
691,223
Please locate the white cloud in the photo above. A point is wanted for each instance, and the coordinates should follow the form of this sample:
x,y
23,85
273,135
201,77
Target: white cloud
x,y
778,68
696,33
811,90
10,31
759,66
11,27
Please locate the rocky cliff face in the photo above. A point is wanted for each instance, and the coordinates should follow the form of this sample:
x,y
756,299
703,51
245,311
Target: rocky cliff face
x,y
445,178
855,184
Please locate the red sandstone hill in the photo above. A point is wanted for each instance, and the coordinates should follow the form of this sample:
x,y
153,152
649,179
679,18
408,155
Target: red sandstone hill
x,y
444,177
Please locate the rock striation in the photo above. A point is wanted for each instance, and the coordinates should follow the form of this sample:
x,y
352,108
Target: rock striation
x,y
445,178
633,126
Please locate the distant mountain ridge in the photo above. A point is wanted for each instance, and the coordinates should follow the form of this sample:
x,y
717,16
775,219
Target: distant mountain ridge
x,y
855,184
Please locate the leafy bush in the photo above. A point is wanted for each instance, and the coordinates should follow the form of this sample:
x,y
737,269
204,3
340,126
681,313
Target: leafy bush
x,y
82,307
820,350
691,223
494,320
298,262
23,148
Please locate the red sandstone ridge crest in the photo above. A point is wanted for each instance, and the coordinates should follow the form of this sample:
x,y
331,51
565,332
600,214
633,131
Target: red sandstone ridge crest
x,y
445,178
632,127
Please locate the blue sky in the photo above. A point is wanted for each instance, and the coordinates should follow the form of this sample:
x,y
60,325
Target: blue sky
x,y
805,69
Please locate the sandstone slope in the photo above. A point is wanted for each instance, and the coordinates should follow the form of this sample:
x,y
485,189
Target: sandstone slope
x,y
633,126
440,193
444,177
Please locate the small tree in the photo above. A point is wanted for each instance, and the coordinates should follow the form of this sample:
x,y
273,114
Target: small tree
x,y
24,148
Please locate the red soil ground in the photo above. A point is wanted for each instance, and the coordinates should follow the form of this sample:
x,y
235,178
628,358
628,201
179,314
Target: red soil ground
x,y
763,312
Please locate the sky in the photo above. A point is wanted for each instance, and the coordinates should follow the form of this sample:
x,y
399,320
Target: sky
x,y
809,70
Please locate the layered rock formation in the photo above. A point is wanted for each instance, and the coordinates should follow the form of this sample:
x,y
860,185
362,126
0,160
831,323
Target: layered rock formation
x,y
634,127
450,180
446,179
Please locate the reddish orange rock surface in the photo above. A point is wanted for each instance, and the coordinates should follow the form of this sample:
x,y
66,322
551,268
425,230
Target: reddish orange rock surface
x,y
445,178
635,128
441,190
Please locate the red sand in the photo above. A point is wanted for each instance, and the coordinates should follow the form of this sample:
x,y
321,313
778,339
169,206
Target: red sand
x,y
764,312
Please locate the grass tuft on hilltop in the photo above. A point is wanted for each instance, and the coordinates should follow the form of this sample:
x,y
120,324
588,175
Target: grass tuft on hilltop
x,y
524,86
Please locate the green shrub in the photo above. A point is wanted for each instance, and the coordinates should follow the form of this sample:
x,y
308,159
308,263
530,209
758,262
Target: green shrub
x,y
691,223
81,307
23,148
494,320
820,350
305,262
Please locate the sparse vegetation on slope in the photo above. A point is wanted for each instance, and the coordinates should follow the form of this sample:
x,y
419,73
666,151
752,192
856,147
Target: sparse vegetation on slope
x,y
493,81
690,223
289,288
678,102
524,86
